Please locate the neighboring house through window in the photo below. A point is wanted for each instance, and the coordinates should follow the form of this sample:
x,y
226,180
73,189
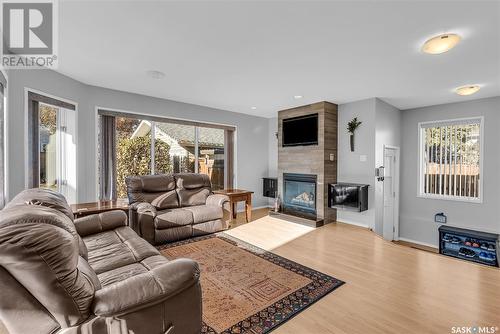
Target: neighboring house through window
x,y
152,145
451,159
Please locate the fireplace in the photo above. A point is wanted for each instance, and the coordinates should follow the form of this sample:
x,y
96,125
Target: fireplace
x,y
299,195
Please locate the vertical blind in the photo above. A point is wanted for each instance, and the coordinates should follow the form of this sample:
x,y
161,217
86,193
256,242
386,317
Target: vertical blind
x,y
452,159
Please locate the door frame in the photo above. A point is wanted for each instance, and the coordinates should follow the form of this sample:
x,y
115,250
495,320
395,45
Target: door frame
x,y
28,90
397,168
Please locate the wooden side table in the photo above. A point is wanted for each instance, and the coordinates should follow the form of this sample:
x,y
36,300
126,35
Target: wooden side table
x,y
238,195
86,209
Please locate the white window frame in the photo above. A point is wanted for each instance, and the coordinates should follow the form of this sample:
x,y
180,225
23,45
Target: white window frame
x,y
421,162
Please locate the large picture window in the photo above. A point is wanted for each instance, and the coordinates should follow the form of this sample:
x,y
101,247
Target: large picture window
x,y
451,159
132,145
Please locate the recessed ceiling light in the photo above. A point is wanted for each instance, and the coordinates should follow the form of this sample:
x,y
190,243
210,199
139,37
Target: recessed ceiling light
x,y
467,90
441,43
297,97
253,108
155,74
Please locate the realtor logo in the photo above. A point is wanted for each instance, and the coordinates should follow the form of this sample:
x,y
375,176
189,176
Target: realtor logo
x,y
28,34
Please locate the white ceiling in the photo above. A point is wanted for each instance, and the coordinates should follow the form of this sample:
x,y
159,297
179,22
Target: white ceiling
x,y
235,55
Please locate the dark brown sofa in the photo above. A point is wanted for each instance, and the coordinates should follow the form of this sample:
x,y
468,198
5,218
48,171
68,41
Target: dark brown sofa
x,y
170,207
63,276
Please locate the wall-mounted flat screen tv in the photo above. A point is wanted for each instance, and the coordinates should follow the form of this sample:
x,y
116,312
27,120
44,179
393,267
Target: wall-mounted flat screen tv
x,y
300,131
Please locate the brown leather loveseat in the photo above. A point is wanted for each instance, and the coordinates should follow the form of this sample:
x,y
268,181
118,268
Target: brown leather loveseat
x,y
170,207
60,276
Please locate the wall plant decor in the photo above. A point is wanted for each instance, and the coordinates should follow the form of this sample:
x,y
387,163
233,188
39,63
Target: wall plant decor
x,y
351,128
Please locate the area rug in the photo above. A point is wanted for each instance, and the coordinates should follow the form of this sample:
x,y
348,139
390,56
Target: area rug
x,y
247,289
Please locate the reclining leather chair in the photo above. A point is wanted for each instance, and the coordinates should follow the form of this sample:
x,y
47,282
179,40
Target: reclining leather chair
x,y
170,207
60,276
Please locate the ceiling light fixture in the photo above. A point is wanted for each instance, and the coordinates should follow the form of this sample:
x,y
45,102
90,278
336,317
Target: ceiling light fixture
x,y
155,74
441,44
253,108
467,90
297,97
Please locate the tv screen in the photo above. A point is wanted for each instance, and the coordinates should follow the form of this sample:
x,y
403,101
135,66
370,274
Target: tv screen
x,y
300,131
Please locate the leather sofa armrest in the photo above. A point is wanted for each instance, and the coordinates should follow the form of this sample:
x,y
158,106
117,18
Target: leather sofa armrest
x,y
142,216
143,207
100,222
217,200
223,202
147,289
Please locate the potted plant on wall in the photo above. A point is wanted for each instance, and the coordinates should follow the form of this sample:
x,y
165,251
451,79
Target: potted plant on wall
x,y
351,127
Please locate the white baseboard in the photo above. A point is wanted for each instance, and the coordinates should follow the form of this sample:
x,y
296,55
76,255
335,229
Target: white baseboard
x,y
350,222
418,242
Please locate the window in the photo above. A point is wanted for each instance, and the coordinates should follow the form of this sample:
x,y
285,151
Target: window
x,y
211,155
133,151
126,148
451,159
176,143
52,145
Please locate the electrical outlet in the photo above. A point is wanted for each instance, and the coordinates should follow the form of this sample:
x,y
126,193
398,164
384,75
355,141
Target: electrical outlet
x,y
332,157
362,158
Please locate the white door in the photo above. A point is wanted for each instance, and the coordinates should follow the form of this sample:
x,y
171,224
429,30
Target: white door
x,y
391,196
58,150
67,154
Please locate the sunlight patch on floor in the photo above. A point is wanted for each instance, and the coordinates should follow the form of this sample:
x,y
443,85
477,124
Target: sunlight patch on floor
x,y
277,232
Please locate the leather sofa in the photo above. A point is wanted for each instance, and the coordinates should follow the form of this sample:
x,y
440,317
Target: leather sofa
x,y
89,275
170,207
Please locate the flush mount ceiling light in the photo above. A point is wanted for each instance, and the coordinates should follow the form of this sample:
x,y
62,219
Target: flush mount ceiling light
x,y
467,90
253,108
297,97
441,43
155,74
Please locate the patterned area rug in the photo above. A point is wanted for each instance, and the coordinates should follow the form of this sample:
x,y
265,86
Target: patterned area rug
x,y
246,289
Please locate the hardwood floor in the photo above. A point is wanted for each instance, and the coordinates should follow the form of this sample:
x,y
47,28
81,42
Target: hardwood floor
x,y
389,288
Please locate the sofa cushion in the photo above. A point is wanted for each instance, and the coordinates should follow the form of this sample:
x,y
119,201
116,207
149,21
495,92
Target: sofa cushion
x,y
205,213
121,273
173,234
166,200
148,188
192,189
117,248
209,227
173,218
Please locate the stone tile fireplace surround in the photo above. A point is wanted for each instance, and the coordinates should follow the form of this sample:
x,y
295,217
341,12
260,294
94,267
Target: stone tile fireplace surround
x,y
318,160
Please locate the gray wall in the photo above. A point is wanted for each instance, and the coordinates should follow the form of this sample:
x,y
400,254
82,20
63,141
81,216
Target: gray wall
x,y
251,142
417,214
350,167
